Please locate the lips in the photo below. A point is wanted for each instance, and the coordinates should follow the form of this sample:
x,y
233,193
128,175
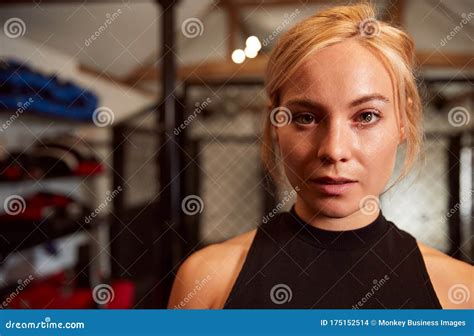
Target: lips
x,y
333,186
332,180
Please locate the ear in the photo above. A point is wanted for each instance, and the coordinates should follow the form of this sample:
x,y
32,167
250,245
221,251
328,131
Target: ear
x,y
403,134
274,129
275,132
403,127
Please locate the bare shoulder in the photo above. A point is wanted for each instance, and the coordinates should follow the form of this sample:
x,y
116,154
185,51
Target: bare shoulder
x,y
205,278
453,280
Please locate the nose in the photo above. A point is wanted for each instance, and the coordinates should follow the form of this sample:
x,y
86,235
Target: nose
x,y
335,142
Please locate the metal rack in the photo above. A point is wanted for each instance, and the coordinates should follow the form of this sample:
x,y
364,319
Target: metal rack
x,y
168,161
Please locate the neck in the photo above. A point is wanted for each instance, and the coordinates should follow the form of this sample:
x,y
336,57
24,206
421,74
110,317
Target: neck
x,y
318,219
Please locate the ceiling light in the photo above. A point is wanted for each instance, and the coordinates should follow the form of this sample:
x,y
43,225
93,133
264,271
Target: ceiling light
x,y
238,56
253,42
250,52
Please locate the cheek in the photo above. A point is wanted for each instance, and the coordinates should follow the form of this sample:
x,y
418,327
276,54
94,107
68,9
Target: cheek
x,y
294,151
379,156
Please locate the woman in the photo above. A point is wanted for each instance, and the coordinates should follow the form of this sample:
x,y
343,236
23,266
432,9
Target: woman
x,y
343,99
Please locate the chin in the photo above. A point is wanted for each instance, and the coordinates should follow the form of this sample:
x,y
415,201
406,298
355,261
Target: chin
x,y
333,207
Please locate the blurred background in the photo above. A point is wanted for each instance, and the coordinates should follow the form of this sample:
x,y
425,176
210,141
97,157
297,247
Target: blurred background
x,y
130,133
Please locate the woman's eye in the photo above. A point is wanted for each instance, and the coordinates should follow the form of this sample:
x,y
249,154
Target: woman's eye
x,y
368,117
304,118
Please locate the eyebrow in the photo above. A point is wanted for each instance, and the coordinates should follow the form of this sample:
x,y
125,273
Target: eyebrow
x,y
303,102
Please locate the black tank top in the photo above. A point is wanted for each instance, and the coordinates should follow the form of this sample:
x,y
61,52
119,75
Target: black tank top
x,y
294,265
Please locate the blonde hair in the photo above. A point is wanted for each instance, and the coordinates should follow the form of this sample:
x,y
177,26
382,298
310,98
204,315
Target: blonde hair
x,y
390,44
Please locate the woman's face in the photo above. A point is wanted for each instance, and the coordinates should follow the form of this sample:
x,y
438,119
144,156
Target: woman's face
x,y
343,125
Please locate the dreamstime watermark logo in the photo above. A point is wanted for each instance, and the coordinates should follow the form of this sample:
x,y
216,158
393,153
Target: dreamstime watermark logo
x,y
459,294
288,196
22,107
465,20
280,116
192,27
103,116
46,324
199,286
192,204
22,284
199,108
369,27
109,197
459,116
369,204
281,293
287,19
103,294
377,284
456,207
110,18
14,205
14,27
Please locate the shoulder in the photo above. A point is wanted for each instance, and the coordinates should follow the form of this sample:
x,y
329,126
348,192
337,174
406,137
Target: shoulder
x,y
452,279
206,277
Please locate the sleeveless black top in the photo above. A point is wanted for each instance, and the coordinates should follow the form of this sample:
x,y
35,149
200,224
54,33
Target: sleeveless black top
x,y
294,265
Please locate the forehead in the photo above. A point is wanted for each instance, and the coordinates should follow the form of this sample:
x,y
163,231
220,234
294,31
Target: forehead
x,y
338,74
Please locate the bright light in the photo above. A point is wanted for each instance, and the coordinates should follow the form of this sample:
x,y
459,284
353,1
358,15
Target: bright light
x,y
250,52
253,42
238,56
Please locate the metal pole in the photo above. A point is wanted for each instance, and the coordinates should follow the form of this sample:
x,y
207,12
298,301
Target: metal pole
x,y
169,156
